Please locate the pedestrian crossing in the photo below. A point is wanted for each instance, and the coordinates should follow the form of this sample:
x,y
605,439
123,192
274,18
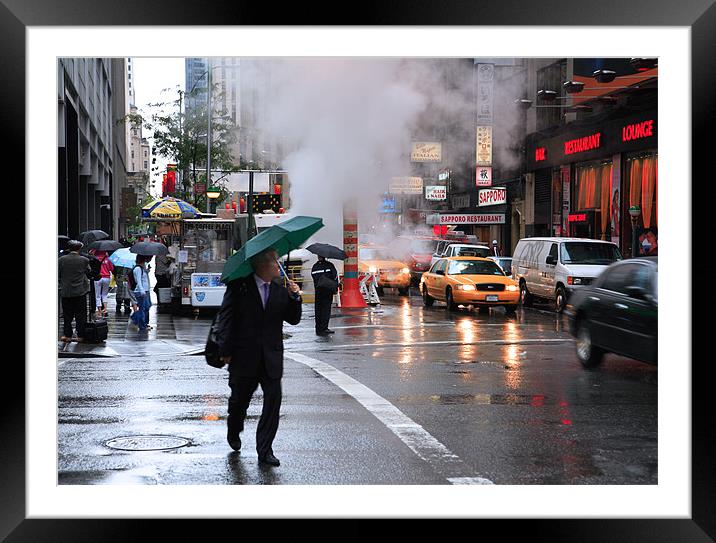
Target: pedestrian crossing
x,y
120,326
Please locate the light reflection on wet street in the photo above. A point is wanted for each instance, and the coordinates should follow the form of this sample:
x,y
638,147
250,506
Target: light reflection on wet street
x,y
490,397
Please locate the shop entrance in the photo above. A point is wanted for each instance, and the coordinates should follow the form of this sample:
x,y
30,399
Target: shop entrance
x,y
584,224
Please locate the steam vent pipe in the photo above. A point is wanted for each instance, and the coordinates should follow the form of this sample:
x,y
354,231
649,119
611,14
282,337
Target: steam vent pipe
x,y
350,295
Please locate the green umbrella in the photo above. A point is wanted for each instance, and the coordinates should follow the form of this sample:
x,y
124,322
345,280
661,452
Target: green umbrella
x,y
284,237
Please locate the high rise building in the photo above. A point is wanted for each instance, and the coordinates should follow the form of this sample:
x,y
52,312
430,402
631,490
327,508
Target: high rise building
x,y
240,90
88,108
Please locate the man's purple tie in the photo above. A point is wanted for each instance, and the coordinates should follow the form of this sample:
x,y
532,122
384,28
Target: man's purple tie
x,y
266,293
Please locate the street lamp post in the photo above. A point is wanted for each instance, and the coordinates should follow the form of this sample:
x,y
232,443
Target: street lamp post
x,y
212,193
635,213
208,134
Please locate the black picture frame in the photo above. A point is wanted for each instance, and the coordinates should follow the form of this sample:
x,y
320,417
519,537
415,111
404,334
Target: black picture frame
x,y
699,15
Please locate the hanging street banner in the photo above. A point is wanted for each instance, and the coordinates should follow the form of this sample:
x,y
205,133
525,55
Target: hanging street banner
x,y
483,177
484,146
485,82
492,197
426,151
435,193
406,185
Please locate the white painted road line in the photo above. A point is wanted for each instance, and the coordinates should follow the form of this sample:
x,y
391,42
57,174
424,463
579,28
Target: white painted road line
x,y
430,343
424,445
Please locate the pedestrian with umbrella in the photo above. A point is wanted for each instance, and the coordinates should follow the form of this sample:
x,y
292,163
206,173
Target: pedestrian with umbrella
x,y
124,261
144,250
249,327
101,249
325,282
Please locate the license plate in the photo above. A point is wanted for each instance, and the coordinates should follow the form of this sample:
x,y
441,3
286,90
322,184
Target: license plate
x,y
491,298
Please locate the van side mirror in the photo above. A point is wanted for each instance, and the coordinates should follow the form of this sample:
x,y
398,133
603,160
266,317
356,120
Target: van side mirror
x,y
552,260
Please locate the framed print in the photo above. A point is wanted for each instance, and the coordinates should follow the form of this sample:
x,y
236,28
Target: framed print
x,y
38,33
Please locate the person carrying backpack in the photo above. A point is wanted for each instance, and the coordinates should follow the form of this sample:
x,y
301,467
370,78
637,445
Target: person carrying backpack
x,y
139,287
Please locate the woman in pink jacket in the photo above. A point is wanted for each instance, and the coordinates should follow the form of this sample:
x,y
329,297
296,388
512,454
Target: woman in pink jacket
x,y
101,287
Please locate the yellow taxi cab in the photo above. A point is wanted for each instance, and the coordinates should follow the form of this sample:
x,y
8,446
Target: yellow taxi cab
x,y
392,273
466,280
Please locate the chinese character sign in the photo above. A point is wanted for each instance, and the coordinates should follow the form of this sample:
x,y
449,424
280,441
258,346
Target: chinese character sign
x,y
484,176
484,146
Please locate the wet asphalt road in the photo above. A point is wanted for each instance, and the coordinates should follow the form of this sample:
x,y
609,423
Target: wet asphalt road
x,y
401,394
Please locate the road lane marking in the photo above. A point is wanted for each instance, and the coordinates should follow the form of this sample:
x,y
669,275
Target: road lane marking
x,y
430,343
424,445
441,324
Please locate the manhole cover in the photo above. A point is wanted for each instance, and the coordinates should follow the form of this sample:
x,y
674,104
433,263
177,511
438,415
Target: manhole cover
x,y
147,443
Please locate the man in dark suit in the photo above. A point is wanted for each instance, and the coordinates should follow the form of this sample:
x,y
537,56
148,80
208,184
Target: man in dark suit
x,y
251,342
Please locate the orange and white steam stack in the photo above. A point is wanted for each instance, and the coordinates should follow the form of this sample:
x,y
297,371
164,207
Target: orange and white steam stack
x,y
351,295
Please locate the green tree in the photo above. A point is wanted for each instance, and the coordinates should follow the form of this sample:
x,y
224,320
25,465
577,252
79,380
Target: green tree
x,y
180,137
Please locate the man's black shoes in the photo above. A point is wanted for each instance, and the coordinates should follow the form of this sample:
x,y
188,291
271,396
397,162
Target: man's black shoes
x,y
324,332
269,459
330,331
234,442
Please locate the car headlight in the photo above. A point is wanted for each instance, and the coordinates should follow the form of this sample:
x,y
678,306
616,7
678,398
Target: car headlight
x,y
512,288
465,287
406,270
373,269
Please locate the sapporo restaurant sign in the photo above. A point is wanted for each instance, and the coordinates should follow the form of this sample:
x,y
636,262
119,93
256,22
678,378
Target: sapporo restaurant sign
x,y
633,133
491,197
479,218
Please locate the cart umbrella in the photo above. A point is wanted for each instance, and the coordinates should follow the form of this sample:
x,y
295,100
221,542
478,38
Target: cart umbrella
x,y
170,208
283,237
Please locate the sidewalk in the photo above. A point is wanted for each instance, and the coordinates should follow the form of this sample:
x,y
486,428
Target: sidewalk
x,y
167,336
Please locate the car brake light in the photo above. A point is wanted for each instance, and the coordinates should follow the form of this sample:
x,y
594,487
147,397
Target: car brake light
x,y
186,291
570,280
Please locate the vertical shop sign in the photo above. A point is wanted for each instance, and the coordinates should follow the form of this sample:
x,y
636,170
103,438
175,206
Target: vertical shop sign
x,y
564,170
485,86
484,146
615,202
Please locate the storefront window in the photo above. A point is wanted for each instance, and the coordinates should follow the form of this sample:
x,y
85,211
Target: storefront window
x,y
641,187
593,192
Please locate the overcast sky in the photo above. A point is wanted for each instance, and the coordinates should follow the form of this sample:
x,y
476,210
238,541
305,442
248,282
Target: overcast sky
x,y
150,77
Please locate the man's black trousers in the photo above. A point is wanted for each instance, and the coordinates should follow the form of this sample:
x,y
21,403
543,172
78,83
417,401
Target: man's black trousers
x,y
242,389
74,308
324,301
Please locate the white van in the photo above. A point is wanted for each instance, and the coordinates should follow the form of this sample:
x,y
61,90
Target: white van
x,y
551,268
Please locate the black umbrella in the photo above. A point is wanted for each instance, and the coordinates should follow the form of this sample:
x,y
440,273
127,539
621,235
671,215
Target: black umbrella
x,y
149,248
107,245
327,251
62,241
92,235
